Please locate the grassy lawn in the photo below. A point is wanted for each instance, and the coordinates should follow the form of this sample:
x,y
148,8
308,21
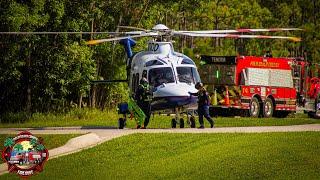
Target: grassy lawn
x,y
50,141
87,117
193,156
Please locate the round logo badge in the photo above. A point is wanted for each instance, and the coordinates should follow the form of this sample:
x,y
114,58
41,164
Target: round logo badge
x,y
25,154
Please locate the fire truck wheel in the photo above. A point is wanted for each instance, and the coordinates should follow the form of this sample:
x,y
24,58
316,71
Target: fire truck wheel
x,y
254,107
268,108
316,114
192,122
173,123
121,123
181,123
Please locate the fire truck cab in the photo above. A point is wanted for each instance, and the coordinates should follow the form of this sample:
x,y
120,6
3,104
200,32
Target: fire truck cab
x,y
307,83
249,85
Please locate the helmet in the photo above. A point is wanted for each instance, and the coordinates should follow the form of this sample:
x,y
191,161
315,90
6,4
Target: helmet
x,y
198,85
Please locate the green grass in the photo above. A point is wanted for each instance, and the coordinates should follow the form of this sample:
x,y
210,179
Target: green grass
x,y
50,141
193,156
94,117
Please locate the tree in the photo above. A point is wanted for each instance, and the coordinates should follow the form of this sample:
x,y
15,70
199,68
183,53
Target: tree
x,y
40,147
18,147
33,142
8,142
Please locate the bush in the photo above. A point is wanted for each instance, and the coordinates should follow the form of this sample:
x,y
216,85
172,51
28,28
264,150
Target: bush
x,y
19,117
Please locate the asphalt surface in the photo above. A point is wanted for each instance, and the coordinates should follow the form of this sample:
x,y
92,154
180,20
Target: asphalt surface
x,y
93,136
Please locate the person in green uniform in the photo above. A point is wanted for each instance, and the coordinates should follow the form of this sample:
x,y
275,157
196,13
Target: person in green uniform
x,y
142,96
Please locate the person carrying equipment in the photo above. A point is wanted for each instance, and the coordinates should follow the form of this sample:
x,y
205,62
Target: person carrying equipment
x,y
142,96
203,104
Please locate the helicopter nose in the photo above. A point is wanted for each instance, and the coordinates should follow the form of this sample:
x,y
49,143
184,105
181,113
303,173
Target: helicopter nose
x,y
180,89
173,95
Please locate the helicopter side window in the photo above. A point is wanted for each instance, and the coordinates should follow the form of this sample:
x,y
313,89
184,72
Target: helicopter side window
x,y
153,63
188,75
158,76
187,61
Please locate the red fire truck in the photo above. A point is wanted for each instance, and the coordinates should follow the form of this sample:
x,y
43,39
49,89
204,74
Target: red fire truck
x,y
258,86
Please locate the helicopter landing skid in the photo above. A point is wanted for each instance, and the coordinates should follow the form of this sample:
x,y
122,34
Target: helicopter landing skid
x,y
179,119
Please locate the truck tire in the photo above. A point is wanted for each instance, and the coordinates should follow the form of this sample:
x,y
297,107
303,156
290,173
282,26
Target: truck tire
x,y
268,108
316,114
254,107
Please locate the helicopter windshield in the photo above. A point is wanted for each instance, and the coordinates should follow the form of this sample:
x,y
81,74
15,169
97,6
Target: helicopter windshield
x,y
158,76
188,75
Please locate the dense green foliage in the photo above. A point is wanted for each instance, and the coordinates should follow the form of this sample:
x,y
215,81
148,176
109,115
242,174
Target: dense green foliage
x,y
193,156
40,73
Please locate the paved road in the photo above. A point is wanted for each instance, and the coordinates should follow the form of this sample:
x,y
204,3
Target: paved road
x,y
109,131
97,135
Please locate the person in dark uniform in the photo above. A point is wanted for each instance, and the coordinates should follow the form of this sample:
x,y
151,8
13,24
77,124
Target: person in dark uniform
x,y
143,99
203,105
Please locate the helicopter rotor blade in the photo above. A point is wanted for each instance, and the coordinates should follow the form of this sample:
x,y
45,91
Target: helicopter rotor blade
x,y
240,31
236,36
98,41
132,27
55,33
44,33
134,32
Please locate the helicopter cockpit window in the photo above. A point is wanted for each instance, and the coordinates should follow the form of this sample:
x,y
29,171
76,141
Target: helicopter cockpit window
x,y
153,63
187,61
158,76
188,75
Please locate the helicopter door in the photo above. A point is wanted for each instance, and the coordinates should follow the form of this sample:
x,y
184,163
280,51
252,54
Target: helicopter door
x,y
135,82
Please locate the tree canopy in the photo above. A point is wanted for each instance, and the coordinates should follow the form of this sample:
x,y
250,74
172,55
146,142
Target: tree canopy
x,y
40,73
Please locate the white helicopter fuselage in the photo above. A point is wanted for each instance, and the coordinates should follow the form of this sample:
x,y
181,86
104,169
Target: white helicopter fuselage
x,y
171,76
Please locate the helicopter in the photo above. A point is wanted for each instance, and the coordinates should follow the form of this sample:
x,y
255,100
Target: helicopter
x,y
172,75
